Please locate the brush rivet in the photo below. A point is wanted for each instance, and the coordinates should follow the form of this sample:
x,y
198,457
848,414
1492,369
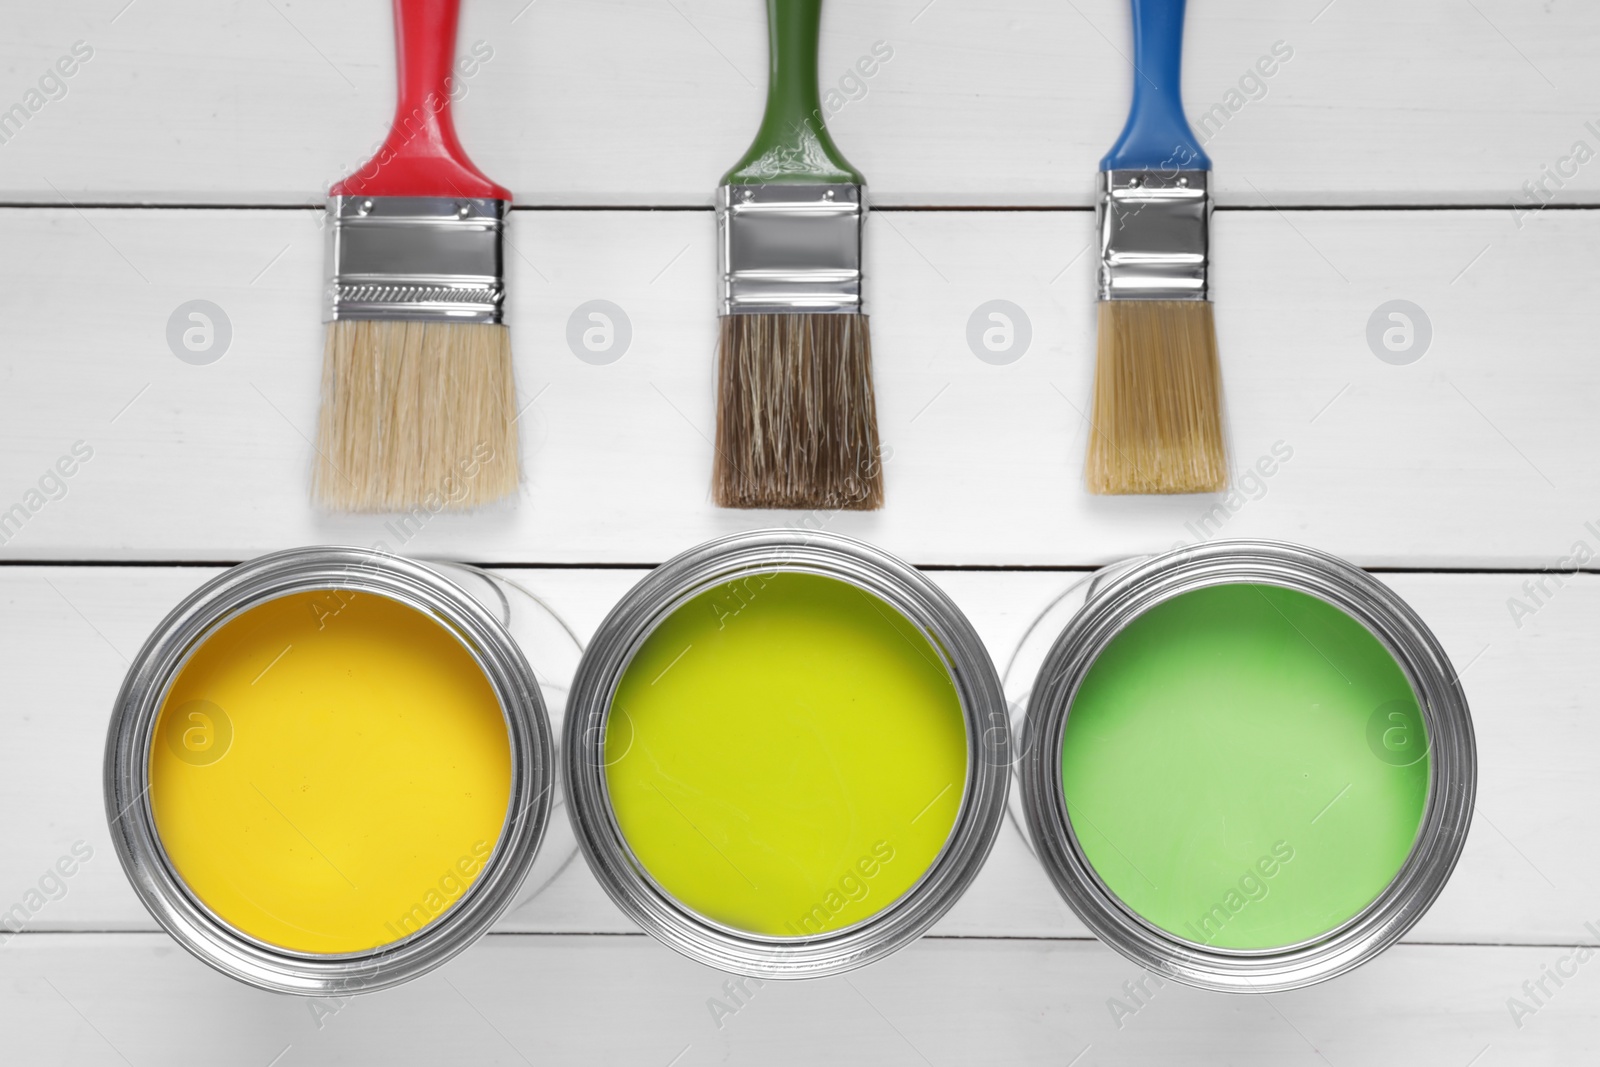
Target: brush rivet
x,y
828,195
365,208
463,210
1183,183
748,195
1133,183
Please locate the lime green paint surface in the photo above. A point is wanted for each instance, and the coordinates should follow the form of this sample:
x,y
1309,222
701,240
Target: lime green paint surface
x,y
793,144
1245,766
786,754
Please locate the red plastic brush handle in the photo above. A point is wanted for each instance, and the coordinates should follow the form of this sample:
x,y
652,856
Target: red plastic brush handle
x,y
422,156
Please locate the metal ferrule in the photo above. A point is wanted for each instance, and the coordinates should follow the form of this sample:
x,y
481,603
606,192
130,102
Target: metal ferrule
x,y
1155,234
418,258
790,247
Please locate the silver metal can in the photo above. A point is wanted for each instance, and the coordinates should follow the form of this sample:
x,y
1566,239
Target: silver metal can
x,y
733,559
127,770
1097,610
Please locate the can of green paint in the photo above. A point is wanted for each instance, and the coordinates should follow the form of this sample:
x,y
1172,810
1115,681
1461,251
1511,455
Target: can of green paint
x,y
1248,766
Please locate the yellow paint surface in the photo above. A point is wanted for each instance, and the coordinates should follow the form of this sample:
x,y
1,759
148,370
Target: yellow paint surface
x,y
330,771
786,755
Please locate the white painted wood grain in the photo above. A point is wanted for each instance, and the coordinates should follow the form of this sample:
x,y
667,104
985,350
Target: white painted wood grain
x,y
1526,877
650,101
89,1000
1478,455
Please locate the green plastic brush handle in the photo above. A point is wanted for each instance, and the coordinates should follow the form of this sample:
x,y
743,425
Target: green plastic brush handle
x,y
793,143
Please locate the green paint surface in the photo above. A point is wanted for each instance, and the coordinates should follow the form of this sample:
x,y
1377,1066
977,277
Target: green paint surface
x,y
786,754
1245,766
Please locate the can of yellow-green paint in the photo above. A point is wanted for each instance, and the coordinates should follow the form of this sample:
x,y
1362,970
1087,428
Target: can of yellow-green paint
x,y
786,754
1249,766
328,771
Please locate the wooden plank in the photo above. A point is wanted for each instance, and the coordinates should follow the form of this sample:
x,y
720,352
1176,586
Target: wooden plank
x,y
642,102
1475,455
1521,879
115,1000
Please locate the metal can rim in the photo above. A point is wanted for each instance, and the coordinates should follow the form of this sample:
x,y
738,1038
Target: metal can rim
x,y
127,759
988,747
1129,590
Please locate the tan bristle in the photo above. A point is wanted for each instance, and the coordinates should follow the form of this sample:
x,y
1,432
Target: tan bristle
x,y
797,425
1157,424
416,415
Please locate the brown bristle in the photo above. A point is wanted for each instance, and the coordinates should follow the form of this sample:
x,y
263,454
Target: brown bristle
x,y
797,425
416,415
1157,425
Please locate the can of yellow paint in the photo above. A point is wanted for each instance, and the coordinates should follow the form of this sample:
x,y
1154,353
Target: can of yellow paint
x,y
328,771
786,754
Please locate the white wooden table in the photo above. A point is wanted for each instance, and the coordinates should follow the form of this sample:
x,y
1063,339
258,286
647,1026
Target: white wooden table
x,y
186,160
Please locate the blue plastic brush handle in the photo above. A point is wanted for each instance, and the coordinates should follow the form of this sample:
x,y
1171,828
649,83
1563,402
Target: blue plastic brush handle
x,y
1157,135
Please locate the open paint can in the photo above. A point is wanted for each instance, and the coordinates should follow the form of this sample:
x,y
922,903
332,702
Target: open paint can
x,y
1249,766
787,754
328,771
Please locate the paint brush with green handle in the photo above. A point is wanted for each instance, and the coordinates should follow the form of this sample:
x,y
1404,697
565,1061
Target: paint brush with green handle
x,y
796,418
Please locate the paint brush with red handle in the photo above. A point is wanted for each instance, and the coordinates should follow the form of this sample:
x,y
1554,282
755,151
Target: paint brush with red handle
x,y
418,397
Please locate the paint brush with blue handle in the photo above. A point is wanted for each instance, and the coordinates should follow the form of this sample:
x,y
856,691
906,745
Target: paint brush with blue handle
x,y
1158,390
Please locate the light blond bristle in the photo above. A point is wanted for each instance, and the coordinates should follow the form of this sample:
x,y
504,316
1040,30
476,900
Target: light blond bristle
x,y
797,423
1157,422
416,415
